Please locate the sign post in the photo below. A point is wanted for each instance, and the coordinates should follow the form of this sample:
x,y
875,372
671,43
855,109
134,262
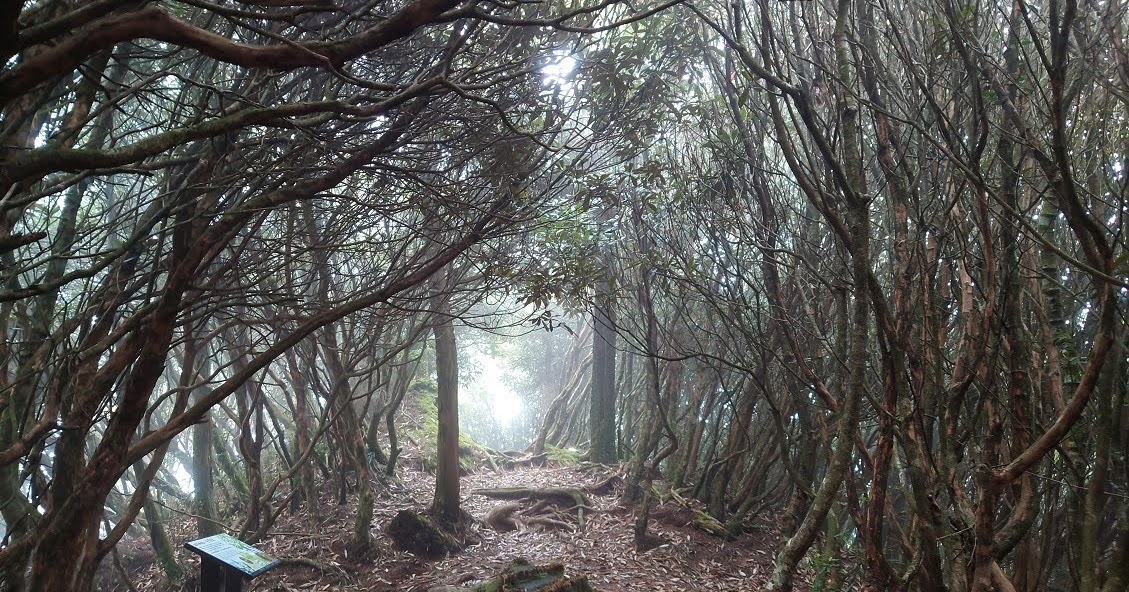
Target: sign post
x,y
226,560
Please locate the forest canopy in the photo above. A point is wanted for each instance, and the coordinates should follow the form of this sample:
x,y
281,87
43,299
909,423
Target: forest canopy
x,y
856,264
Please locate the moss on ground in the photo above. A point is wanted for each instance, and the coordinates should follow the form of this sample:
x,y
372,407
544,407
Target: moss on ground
x,y
425,432
522,576
418,534
569,456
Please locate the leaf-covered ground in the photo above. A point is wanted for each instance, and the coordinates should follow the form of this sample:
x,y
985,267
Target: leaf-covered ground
x,y
316,557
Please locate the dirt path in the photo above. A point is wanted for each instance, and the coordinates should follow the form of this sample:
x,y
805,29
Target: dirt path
x,y
685,560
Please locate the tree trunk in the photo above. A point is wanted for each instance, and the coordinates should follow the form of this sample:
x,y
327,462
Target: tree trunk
x,y
858,219
601,419
162,546
446,504
1095,503
306,483
204,501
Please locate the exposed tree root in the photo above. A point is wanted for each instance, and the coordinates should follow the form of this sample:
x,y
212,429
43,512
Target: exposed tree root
x,y
604,487
501,518
703,520
549,523
541,514
534,460
322,567
566,497
509,517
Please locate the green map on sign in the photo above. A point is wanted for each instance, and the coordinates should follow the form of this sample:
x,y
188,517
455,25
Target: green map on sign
x,y
235,553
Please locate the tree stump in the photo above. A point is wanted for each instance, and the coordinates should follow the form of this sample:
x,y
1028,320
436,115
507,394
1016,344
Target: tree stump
x,y
418,534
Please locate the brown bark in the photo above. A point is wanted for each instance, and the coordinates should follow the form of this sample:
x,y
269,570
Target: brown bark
x,y
445,506
307,480
851,184
602,397
153,23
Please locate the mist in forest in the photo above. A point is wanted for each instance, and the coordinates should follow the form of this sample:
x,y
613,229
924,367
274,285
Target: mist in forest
x,y
817,295
508,378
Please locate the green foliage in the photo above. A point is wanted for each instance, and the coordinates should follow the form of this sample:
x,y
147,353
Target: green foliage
x,y
560,262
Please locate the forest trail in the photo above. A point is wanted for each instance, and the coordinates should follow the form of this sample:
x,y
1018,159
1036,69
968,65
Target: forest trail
x,y
686,559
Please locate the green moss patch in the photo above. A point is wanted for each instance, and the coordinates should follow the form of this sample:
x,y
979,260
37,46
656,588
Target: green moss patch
x,y
522,576
568,456
418,534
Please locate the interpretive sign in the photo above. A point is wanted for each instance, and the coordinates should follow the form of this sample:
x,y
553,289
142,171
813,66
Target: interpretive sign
x,y
226,560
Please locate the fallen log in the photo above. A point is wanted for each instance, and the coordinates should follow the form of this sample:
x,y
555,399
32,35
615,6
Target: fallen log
x,y
704,522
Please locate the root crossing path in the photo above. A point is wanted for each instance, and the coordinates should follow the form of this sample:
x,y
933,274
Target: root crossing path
x,y
591,537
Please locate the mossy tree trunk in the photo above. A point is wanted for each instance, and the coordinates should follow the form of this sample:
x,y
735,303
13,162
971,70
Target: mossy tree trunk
x,y
249,405
857,215
203,497
162,546
602,395
233,476
306,480
446,504
1109,402
521,575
